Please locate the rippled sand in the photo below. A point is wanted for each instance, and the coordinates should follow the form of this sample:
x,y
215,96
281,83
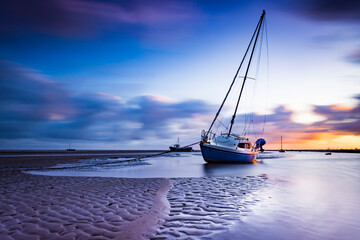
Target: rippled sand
x,y
44,207
49,207
200,207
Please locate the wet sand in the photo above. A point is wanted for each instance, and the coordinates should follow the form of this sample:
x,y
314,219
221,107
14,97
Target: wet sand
x,y
47,207
42,159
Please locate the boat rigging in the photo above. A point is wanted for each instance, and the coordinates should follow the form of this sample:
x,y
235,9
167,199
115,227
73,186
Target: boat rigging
x,y
230,147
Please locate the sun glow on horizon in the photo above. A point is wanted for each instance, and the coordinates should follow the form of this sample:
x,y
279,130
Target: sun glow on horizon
x,y
319,141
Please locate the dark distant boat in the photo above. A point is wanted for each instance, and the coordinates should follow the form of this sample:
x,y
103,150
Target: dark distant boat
x,y
229,147
176,148
329,153
70,149
282,150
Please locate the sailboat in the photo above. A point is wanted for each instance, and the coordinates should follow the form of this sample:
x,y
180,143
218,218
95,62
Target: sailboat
x,y
176,147
229,147
282,150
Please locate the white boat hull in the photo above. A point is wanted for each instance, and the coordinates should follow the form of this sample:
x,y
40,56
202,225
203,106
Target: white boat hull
x,y
218,154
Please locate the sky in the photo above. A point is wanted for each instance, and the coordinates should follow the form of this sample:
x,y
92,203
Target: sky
x,y
139,74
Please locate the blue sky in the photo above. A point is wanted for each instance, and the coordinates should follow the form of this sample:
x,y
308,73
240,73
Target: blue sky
x,y
139,74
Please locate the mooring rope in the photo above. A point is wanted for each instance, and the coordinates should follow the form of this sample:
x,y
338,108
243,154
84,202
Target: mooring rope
x,y
113,162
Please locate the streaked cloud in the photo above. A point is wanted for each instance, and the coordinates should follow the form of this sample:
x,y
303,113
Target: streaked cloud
x,y
81,18
327,10
354,57
340,120
135,12
34,106
28,96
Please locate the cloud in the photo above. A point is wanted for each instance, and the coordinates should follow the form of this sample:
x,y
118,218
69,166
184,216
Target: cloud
x,y
328,10
157,114
35,107
339,119
134,12
280,123
20,17
354,57
27,98
84,18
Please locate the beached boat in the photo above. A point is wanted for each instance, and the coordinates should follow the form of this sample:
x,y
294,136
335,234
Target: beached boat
x,y
229,147
176,147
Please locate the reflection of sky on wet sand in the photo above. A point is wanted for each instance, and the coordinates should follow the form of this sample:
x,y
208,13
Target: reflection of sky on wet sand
x,y
310,195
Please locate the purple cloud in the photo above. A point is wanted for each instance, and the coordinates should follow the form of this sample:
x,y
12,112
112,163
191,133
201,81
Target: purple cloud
x,y
84,18
329,10
25,93
157,114
33,106
354,57
135,12
339,119
21,17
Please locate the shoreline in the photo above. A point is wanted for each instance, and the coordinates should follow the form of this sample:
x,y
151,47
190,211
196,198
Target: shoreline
x,y
42,159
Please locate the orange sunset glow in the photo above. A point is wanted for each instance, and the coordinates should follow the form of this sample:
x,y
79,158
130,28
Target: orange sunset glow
x,y
338,128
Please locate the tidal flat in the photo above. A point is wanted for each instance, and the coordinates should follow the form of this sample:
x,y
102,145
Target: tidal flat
x,y
305,195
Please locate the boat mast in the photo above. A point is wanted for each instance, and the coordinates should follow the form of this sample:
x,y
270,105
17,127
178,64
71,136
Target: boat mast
x,y
281,142
233,81
247,70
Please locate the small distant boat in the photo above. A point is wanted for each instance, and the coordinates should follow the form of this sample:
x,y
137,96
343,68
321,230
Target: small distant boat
x,y
176,148
328,153
70,149
282,150
229,147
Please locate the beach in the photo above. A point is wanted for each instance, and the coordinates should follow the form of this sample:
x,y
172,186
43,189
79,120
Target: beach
x,y
297,195
58,207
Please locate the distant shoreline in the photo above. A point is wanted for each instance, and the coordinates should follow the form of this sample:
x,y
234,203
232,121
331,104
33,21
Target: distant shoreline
x,y
14,159
114,152
64,151
322,150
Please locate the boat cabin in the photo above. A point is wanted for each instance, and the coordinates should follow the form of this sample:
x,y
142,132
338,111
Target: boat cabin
x,y
176,145
232,140
244,145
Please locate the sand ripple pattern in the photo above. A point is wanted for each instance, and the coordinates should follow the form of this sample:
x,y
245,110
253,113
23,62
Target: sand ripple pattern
x,y
204,206
42,207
